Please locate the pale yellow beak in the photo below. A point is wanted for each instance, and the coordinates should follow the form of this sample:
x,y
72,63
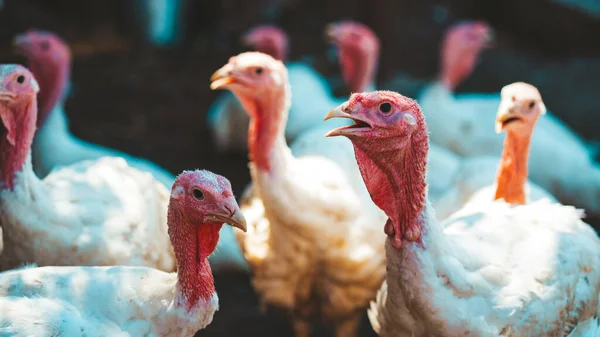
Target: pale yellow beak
x,y
221,78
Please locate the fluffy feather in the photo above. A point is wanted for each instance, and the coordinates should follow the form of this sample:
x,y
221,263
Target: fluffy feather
x,y
461,123
96,301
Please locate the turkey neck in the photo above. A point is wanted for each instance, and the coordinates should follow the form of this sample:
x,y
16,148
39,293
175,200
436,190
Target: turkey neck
x,y
52,79
16,139
512,172
358,68
266,140
192,243
395,178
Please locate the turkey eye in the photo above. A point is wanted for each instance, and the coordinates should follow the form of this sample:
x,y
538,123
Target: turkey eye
x,y
198,194
385,107
21,79
258,71
531,104
45,45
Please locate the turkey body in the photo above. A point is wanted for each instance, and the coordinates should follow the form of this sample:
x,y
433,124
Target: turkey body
x,y
99,212
462,124
493,270
96,301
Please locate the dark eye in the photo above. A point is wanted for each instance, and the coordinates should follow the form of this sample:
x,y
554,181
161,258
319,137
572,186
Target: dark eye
x,y
198,194
21,79
385,107
531,104
45,45
258,70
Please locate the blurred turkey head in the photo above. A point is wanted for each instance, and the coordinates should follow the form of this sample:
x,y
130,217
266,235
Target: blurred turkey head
x,y
520,107
267,39
358,52
50,61
462,45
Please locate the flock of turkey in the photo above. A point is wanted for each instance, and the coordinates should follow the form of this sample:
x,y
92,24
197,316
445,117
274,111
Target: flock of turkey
x,y
418,212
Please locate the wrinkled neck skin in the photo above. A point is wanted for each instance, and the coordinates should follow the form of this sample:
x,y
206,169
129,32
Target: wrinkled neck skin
x,y
358,69
512,172
53,82
15,145
266,140
192,244
395,178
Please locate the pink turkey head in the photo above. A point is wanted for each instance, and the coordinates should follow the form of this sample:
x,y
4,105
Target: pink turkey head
x,y
390,142
17,92
253,77
50,61
267,39
520,107
18,112
206,198
460,50
358,51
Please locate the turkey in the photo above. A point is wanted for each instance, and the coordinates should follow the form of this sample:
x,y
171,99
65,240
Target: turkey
x,y
502,269
54,146
126,300
461,123
520,103
50,61
314,249
311,95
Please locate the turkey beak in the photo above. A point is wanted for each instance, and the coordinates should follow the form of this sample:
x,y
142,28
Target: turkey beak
x,y
506,114
331,33
341,112
21,44
231,215
222,78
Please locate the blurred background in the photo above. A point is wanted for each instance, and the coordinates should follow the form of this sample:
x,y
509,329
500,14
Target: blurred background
x,y
143,88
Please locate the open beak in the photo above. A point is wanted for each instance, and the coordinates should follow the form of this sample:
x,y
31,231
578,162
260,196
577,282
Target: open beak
x,y
339,112
504,117
331,33
221,78
233,218
21,44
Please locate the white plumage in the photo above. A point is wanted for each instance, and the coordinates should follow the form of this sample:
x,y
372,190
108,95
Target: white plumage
x,y
461,123
499,270
95,302
99,212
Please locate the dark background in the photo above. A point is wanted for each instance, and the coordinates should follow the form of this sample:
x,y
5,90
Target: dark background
x,y
152,102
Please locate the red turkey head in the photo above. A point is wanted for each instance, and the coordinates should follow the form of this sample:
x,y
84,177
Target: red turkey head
x,y
358,51
50,61
390,142
267,39
206,198
460,50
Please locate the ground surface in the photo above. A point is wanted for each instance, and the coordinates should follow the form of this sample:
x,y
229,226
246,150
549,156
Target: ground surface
x,y
153,103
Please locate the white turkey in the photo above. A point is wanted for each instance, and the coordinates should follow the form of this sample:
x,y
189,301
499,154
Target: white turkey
x,y
126,300
501,269
461,123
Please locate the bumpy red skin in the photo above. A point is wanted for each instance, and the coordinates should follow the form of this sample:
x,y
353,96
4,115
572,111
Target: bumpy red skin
x,y
392,157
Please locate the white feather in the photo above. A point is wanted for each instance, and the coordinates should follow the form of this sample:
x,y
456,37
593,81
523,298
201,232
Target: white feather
x,y
464,124
97,301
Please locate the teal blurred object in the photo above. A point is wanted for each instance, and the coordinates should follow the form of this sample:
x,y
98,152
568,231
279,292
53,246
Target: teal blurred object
x,y
162,21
